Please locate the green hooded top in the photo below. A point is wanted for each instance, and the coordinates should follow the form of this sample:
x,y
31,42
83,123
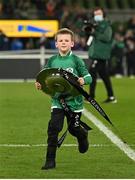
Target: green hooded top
x,y
100,48
73,64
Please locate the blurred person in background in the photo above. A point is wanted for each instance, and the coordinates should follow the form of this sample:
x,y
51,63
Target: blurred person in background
x,y
8,9
117,55
130,52
1,10
30,43
80,43
100,45
4,41
16,44
131,24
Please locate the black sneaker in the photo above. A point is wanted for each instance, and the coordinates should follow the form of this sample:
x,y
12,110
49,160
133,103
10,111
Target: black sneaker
x,y
110,100
50,164
83,143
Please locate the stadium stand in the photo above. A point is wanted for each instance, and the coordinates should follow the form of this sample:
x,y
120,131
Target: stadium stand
x,y
71,14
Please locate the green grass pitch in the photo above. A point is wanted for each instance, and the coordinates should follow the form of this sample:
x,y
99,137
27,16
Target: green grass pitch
x,y
24,115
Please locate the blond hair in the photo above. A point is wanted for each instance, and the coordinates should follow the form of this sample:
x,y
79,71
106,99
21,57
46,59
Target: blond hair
x,y
64,31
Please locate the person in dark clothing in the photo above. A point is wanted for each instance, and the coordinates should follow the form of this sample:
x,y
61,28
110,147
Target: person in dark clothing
x,y
130,53
100,43
4,42
117,55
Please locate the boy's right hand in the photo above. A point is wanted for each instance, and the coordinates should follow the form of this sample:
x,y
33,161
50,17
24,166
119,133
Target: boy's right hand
x,y
38,85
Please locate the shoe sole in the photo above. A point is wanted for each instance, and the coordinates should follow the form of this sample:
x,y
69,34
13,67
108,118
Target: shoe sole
x,y
113,102
44,168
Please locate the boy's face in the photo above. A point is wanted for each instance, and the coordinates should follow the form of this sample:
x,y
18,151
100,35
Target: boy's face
x,y
64,43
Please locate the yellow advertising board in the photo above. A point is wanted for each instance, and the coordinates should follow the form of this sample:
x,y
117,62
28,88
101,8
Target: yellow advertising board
x,y
29,28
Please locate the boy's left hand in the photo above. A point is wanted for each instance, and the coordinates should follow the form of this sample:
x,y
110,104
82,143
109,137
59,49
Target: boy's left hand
x,y
81,81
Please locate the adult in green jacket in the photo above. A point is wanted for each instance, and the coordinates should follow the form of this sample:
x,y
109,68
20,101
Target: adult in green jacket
x,y
99,52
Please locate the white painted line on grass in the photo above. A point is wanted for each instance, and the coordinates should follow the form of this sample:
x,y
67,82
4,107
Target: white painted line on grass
x,y
64,145
33,145
16,80
44,145
114,138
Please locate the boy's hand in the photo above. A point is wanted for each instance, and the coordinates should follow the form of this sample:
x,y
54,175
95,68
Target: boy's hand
x,y
38,85
81,81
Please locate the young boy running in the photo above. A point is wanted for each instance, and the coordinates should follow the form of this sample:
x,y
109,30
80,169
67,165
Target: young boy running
x,y
65,59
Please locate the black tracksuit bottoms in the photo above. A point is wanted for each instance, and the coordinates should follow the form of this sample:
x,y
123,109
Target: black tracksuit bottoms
x,y
55,126
100,67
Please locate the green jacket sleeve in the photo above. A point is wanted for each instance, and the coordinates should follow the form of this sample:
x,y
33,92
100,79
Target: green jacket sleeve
x,y
87,79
